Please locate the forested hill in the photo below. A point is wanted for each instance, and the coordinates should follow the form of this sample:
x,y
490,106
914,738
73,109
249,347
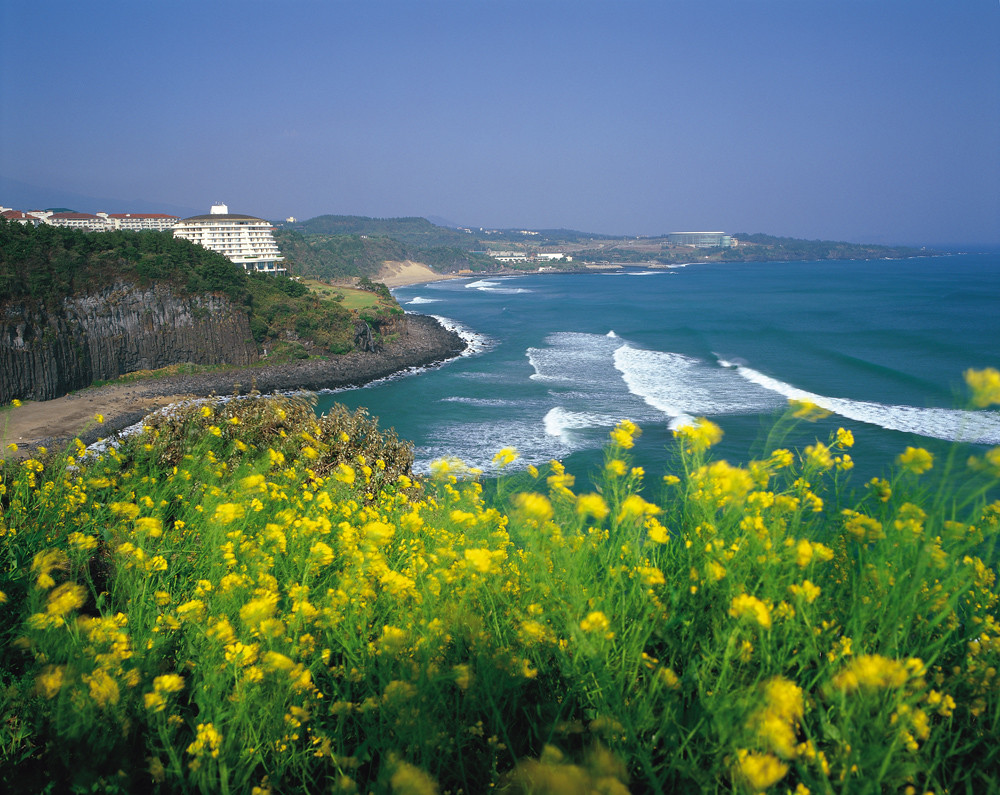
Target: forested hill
x,y
414,232
344,246
759,246
42,267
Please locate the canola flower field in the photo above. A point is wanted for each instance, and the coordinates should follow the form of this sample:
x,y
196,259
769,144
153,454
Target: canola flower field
x,y
246,598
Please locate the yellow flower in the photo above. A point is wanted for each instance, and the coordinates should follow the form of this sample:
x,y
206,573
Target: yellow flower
x,y
807,590
872,671
344,473
747,606
916,460
864,528
65,598
150,525
844,438
411,780
168,683
321,553
807,410
758,770
818,455
81,542
881,487
534,506
624,433
634,507
481,560
700,436
103,689
985,386
50,681
505,457
596,621
592,505
616,467
99,418
207,741
228,512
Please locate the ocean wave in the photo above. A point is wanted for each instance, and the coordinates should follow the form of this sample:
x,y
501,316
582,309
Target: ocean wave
x,y
559,419
488,402
955,425
420,300
496,286
475,444
475,342
681,386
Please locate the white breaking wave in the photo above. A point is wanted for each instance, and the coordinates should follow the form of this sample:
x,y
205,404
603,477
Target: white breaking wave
x,y
419,300
475,342
558,420
955,425
683,387
491,286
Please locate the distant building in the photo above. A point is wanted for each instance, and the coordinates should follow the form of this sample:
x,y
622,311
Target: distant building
x,y
16,215
702,239
93,223
140,222
245,239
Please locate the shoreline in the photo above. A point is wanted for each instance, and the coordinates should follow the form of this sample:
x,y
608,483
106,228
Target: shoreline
x,y
55,423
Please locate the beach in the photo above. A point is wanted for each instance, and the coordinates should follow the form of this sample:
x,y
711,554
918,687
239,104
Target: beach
x,y
406,273
53,423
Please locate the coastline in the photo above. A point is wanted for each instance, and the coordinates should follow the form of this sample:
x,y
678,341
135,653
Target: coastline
x,y
55,423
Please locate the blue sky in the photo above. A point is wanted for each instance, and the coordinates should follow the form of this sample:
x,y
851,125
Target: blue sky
x,y
866,120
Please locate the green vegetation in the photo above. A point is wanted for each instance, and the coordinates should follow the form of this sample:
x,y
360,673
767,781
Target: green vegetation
x,y
761,247
327,256
42,265
411,232
47,263
246,598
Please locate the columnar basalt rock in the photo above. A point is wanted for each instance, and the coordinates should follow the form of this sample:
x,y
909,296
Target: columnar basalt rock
x,y
46,353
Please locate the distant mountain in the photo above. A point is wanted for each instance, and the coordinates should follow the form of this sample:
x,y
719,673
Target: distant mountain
x,y
409,231
22,196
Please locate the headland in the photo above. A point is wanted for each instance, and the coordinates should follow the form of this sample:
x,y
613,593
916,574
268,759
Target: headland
x,y
53,423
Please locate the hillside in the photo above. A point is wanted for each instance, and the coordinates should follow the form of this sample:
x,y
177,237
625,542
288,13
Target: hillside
x,y
77,307
328,255
341,246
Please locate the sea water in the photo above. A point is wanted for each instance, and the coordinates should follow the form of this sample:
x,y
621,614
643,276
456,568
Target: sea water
x,y
557,359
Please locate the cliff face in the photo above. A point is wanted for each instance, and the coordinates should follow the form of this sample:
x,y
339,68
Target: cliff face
x,y
45,354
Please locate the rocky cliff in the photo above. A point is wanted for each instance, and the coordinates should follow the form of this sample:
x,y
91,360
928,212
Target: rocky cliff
x,y
46,353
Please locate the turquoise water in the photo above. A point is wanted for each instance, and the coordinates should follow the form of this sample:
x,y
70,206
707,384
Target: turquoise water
x,y
560,358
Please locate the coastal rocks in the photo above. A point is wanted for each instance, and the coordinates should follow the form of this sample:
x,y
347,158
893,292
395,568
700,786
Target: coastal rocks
x,y
45,354
417,341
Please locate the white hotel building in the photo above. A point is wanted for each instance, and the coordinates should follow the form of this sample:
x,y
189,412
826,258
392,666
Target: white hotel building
x,y
244,239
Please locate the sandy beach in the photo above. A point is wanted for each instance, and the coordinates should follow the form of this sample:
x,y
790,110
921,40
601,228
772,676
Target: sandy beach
x,y
53,423
397,273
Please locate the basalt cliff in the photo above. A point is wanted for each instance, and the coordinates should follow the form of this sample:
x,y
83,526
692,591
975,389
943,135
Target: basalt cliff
x,y
47,351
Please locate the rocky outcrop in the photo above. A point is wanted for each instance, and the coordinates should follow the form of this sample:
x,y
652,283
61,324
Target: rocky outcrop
x,y
46,353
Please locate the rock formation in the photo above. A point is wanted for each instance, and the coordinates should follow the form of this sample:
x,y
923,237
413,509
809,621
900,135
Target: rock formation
x,y
45,354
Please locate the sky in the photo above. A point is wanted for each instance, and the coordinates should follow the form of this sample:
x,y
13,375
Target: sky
x,y
862,120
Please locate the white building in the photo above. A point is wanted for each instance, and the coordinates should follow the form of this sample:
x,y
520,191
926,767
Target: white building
x,y
85,221
246,240
140,222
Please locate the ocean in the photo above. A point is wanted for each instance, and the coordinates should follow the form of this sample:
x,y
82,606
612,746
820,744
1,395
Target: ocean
x,y
558,359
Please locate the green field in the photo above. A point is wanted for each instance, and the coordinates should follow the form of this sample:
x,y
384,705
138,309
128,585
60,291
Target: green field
x,y
248,598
